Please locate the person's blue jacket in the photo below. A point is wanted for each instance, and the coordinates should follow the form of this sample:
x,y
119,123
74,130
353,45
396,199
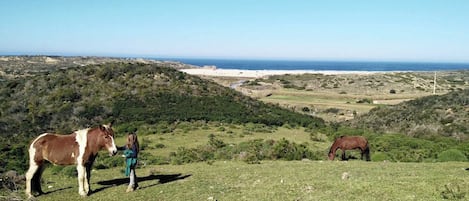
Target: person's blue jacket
x,y
131,159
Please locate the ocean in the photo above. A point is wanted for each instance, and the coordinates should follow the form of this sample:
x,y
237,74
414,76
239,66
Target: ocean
x,y
324,65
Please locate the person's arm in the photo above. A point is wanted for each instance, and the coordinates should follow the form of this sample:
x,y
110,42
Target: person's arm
x,y
120,148
128,153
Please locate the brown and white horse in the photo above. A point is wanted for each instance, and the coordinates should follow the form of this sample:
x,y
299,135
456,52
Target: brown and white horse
x,y
79,148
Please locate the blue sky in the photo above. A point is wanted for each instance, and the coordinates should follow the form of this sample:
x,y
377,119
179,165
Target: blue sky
x,y
387,30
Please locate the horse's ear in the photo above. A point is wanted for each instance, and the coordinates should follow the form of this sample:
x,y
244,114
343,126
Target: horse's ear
x,y
110,123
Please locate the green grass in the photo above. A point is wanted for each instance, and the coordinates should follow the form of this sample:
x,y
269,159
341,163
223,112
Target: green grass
x,y
229,133
274,180
269,180
321,101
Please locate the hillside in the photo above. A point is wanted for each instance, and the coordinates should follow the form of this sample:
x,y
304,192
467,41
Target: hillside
x,y
131,93
341,97
446,115
20,65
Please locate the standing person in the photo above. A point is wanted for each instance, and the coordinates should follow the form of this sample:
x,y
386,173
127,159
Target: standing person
x,y
131,154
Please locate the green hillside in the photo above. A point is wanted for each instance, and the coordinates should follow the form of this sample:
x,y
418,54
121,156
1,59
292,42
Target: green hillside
x,y
64,100
439,115
133,95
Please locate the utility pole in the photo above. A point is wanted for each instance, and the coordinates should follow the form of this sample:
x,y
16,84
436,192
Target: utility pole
x,y
434,83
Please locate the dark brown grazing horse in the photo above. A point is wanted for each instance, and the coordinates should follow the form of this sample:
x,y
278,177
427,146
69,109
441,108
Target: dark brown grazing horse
x,y
349,143
79,148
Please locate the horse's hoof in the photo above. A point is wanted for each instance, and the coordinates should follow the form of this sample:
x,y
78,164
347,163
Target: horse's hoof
x,y
129,189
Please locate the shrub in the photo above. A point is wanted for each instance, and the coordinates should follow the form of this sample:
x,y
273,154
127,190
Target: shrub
x,y
453,191
250,152
451,155
317,137
183,155
283,149
332,110
365,100
251,158
214,142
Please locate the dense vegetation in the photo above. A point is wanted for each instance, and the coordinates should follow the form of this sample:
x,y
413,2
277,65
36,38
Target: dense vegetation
x,y
131,94
427,117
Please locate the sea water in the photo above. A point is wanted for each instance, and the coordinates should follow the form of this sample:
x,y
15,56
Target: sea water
x,y
324,65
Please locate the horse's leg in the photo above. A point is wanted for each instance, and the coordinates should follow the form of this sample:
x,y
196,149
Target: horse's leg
x,y
343,155
37,179
87,179
367,153
88,166
81,179
86,183
33,167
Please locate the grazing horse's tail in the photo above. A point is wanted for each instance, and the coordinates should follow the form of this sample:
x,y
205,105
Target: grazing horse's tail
x,y
367,151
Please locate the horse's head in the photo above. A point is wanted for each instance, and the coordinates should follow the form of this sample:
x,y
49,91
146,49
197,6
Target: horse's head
x,y
106,138
331,156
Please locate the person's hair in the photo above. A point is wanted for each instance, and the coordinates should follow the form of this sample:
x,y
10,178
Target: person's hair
x,y
132,140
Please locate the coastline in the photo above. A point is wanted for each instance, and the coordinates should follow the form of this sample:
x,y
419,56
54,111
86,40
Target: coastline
x,y
263,73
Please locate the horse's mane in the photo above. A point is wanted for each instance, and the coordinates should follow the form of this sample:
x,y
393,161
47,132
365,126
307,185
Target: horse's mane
x,y
335,141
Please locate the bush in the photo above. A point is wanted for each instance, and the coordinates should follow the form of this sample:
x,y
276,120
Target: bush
x,y
283,149
451,155
332,110
183,155
452,191
250,152
365,100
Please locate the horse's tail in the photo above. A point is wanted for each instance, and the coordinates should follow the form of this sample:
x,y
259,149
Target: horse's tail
x,y
367,151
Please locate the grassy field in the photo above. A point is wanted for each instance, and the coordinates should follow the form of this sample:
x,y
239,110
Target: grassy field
x,y
228,133
274,180
269,180
319,102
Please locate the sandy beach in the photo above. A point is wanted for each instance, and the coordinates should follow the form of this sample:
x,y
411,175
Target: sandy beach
x,y
263,73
